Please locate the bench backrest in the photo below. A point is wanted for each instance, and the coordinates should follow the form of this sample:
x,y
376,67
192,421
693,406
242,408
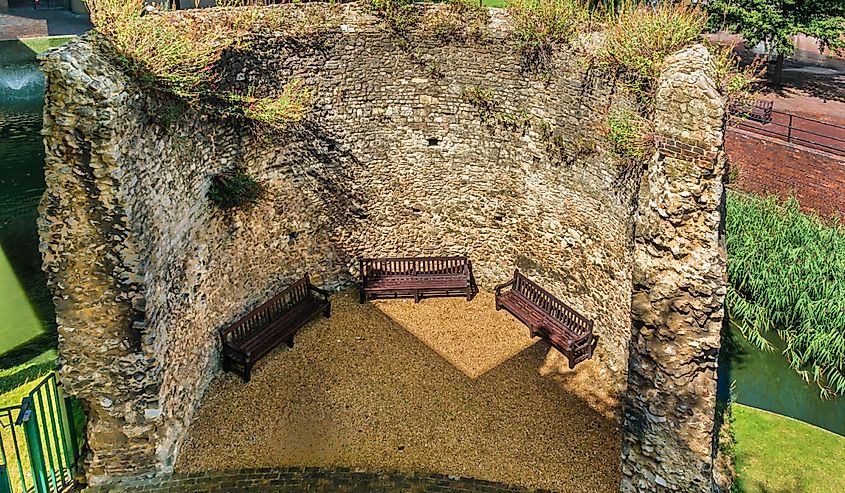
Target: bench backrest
x,y
267,312
414,267
552,306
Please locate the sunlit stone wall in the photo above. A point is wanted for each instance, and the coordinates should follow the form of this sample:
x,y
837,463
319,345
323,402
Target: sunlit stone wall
x,y
390,160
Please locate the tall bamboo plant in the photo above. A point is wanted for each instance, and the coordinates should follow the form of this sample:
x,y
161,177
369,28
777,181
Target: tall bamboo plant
x,y
786,273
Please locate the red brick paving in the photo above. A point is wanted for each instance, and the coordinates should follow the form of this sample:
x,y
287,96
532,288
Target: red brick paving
x,y
30,23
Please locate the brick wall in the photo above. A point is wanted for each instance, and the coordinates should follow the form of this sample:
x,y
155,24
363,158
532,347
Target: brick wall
x,y
769,166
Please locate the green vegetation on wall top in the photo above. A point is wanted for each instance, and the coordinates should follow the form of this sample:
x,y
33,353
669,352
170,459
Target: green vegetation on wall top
x,y
785,277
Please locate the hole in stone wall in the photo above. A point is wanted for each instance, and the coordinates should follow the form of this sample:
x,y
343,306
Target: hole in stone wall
x,y
498,217
415,210
293,235
433,141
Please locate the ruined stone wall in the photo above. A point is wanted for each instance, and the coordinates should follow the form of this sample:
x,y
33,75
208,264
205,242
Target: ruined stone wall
x,y
679,291
391,160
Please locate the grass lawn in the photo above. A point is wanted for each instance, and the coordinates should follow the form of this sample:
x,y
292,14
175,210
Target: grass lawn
x,y
776,454
17,381
20,321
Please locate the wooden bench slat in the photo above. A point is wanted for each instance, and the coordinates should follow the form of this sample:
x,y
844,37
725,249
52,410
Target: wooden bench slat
x,y
546,316
274,322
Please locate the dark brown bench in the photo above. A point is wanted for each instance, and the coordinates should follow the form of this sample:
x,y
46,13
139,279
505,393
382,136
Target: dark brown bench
x,y
760,110
546,316
276,321
416,277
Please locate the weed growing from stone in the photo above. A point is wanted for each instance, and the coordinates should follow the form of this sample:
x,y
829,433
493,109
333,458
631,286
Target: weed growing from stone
x,y
178,54
629,135
738,83
277,112
541,24
458,21
235,190
639,38
397,15
172,54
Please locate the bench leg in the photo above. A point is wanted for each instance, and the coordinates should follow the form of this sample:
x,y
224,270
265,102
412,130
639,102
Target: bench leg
x,y
416,296
362,296
469,293
247,372
289,342
327,313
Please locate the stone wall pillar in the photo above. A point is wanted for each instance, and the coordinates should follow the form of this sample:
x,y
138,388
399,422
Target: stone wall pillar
x,y
679,279
93,265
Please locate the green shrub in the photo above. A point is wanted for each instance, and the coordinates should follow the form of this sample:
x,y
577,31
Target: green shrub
x,y
540,24
172,54
479,97
397,15
737,81
785,273
639,38
235,189
459,20
629,134
277,112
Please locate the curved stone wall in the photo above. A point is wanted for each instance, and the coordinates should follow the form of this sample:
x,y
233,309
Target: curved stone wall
x,y
391,160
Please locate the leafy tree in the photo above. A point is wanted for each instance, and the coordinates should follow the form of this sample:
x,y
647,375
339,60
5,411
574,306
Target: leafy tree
x,y
775,21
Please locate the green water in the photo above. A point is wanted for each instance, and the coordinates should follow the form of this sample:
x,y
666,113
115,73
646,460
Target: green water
x,y
27,321
765,381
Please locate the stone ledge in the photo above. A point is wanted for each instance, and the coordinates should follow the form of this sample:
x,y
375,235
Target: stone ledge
x,y
318,479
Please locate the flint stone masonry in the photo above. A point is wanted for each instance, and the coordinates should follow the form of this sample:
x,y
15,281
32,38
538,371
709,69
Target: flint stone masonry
x,y
390,160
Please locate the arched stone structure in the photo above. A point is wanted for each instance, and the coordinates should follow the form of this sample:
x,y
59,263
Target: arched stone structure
x,y
391,159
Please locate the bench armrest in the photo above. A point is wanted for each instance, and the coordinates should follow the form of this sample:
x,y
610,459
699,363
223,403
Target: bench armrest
x,y
500,287
317,290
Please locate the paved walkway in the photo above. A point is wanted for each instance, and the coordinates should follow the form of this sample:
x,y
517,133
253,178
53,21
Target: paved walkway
x,y
30,23
314,479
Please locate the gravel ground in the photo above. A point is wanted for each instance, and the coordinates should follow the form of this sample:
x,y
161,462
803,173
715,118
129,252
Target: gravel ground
x,y
414,388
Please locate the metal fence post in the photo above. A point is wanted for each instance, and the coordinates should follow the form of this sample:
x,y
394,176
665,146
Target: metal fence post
x,y
789,130
5,484
33,442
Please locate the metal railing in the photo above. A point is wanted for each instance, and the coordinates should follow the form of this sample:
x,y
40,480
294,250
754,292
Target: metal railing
x,y
793,129
39,446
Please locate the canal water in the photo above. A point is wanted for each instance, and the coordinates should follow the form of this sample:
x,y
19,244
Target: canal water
x,y
27,326
27,321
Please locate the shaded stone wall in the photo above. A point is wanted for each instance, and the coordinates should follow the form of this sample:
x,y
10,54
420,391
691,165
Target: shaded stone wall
x,y
390,160
679,281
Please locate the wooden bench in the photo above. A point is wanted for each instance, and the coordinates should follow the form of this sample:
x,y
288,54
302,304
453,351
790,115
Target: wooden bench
x,y
416,277
760,110
546,316
276,321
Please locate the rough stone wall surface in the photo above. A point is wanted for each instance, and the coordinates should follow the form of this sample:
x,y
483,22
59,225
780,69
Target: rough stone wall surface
x,y
678,289
391,160
770,166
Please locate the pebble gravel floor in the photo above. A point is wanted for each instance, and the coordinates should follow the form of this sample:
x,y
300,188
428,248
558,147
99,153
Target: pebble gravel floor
x,y
445,386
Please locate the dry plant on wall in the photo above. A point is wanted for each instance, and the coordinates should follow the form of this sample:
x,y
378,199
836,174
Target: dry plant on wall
x,y
396,15
277,112
178,54
458,21
639,37
738,82
539,25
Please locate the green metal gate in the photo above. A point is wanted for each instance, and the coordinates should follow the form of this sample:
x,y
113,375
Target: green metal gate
x,y
39,445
